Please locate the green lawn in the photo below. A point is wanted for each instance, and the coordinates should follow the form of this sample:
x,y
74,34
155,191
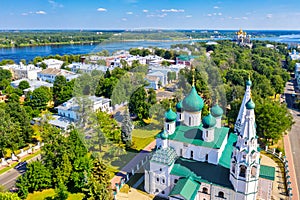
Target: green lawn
x,y
50,193
141,138
23,159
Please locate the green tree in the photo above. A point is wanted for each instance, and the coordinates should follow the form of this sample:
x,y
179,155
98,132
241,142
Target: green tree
x,y
127,128
62,90
36,178
151,96
138,104
98,185
40,98
61,192
272,119
8,196
23,85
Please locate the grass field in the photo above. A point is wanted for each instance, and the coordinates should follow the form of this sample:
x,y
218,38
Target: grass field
x,y
51,193
142,137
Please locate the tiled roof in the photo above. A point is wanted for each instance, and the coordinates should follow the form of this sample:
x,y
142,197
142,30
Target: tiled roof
x,y
164,156
186,188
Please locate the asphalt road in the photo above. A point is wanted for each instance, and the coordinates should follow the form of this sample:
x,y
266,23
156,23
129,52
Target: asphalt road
x,y
294,134
9,178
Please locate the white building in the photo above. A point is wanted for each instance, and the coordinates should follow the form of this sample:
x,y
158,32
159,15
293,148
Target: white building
x,y
294,55
243,39
50,74
87,68
198,159
23,71
52,63
297,74
71,108
34,84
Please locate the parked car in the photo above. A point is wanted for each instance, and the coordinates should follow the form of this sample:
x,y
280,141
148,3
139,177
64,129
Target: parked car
x,y
20,165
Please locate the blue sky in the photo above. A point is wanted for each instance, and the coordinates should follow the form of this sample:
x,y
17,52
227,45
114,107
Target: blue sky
x,y
128,14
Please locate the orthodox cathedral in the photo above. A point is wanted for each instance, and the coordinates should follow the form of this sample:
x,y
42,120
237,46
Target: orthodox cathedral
x,y
199,159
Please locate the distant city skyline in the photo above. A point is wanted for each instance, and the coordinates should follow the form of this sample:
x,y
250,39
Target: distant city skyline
x,y
166,14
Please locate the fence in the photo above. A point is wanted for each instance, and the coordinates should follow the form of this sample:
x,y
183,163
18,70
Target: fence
x,y
32,149
131,173
286,169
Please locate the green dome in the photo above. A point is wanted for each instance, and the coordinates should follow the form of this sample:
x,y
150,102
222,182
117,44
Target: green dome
x,y
193,102
249,82
217,111
250,104
209,121
179,106
164,135
170,115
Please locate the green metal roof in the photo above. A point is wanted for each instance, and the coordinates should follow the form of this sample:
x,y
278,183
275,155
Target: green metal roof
x,y
217,111
192,102
186,188
170,115
164,135
249,82
193,135
267,172
209,121
165,156
185,57
205,172
250,104
179,106
226,154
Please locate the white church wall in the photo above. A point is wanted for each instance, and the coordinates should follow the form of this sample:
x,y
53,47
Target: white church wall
x,y
192,118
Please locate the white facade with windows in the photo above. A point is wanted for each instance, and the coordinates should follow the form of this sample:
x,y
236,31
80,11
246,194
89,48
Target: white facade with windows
x,y
197,159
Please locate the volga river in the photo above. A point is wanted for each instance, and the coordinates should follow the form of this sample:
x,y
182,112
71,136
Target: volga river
x,y
28,53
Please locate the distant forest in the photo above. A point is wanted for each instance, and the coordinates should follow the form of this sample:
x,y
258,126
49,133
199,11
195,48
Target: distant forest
x,y
40,38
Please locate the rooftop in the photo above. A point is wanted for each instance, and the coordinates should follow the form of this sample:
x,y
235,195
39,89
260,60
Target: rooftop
x,y
193,135
186,188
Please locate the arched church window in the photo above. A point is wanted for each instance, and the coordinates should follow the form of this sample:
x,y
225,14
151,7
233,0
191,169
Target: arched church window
x,y
156,190
192,154
221,194
253,171
233,167
190,121
205,190
168,127
243,171
157,179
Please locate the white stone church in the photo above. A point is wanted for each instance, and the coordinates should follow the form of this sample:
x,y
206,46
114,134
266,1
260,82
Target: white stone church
x,y
198,159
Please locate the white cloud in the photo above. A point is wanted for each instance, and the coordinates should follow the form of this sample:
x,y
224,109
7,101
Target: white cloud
x,y
41,12
162,15
172,10
24,14
216,7
129,13
101,10
220,14
214,14
188,16
236,18
55,4
145,11
124,19
269,16
245,18
209,15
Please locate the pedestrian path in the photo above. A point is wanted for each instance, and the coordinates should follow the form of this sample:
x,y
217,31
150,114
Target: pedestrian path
x,y
289,157
132,164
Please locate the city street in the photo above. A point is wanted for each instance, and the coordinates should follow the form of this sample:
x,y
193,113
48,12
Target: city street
x,y
294,135
8,179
